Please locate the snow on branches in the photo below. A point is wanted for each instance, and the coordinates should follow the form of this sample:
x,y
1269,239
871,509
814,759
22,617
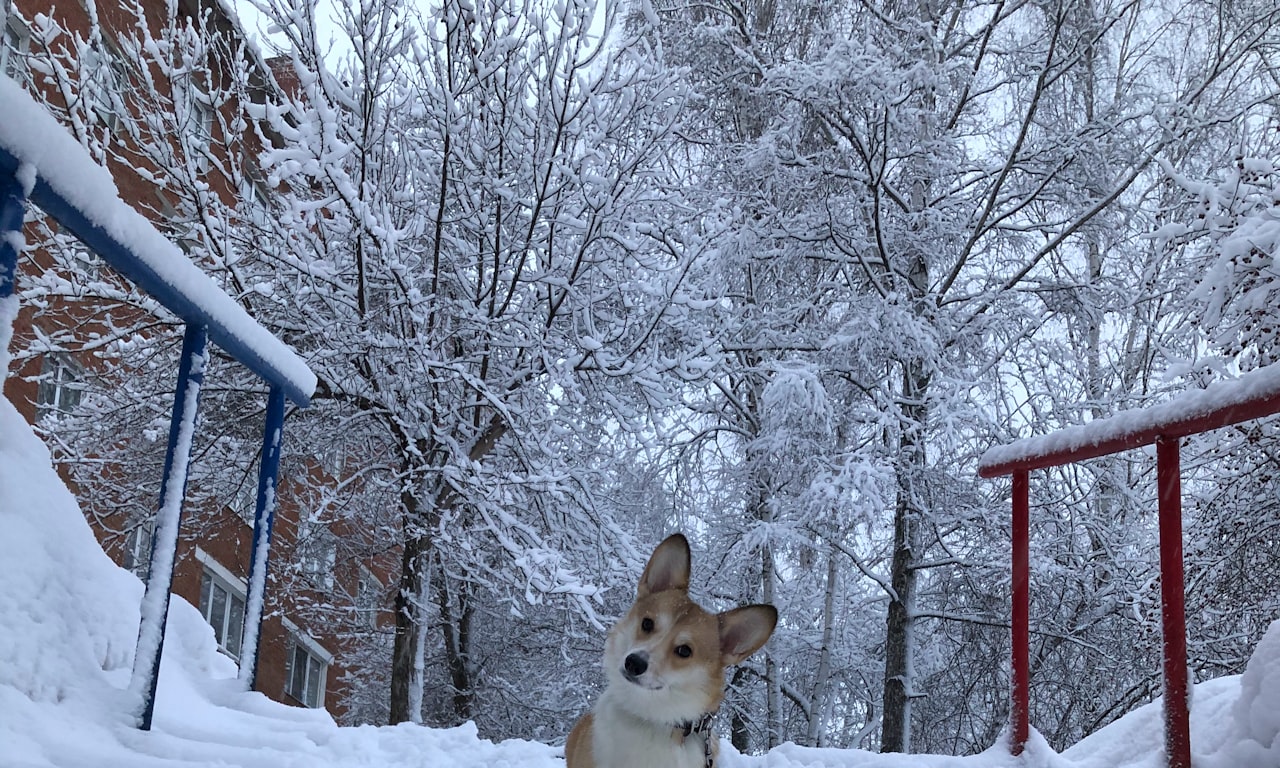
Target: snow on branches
x,y
1237,227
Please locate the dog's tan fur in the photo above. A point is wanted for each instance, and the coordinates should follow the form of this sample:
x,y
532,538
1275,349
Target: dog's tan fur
x,y
639,721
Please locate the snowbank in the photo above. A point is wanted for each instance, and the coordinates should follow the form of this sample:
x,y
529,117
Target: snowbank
x,y
1253,734
70,616
70,621
61,597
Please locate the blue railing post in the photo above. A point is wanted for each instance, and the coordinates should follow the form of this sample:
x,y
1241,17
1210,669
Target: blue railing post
x,y
264,516
11,211
12,206
164,546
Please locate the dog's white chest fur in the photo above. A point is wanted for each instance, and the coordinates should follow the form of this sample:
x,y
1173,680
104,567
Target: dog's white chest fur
x,y
619,740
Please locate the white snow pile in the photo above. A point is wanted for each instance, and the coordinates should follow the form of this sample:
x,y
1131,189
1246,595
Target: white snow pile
x,y
69,621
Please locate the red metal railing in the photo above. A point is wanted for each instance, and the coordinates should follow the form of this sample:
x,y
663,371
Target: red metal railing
x,y
1252,396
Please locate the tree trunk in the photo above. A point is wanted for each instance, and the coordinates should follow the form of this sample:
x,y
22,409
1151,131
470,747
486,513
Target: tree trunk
x,y
739,736
896,728
419,681
407,629
406,704
895,732
455,623
773,683
818,706
455,615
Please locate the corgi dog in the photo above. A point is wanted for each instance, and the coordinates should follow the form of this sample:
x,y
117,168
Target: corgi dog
x,y
664,664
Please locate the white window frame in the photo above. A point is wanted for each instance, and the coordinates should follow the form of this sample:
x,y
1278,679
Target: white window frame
x,y
236,588
61,385
138,548
16,46
245,502
317,553
254,209
102,84
193,108
300,642
368,591
87,263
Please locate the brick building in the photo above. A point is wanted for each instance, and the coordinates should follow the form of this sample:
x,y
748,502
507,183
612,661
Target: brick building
x,y
303,659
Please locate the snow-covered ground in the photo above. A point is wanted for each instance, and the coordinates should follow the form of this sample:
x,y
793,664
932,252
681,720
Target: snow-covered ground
x,y
68,624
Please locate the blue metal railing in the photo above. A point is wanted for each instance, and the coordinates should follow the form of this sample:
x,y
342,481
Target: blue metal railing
x,y
264,515
11,208
210,316
179,300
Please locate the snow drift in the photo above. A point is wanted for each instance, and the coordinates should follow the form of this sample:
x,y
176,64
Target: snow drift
x,y
69,619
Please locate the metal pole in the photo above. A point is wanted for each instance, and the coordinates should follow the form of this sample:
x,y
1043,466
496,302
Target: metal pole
x,y
164,546
264,516
1177,730
12,208
1020,714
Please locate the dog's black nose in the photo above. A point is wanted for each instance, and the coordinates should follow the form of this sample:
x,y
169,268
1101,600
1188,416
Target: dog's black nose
x,y
636,664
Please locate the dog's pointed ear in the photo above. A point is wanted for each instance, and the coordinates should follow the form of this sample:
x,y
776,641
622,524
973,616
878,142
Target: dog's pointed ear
x,y
744,630
668,567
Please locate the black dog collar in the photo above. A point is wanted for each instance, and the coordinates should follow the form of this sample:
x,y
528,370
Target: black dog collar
x,y
700,727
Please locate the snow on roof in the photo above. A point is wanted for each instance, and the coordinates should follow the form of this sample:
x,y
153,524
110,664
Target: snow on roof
x,y
1254,395
70,186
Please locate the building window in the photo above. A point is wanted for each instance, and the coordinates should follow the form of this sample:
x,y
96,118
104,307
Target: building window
x,y
223,607
87,264
245,502
137,551
317,554
61,385
200,123
306,673
253,206
17,43
193,110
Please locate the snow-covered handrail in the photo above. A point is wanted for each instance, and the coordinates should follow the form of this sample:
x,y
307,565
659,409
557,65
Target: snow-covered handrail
x,y
62,179
1252,396
1221,404
42,163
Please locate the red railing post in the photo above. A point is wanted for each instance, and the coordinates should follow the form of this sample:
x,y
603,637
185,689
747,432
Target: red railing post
x,y
1021,713
1177,732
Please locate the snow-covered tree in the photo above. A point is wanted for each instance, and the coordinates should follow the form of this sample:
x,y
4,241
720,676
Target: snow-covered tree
x,y
484,252
1221,224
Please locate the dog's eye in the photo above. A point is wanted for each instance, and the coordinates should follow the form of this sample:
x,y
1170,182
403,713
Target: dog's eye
x,y
647,624
684,651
